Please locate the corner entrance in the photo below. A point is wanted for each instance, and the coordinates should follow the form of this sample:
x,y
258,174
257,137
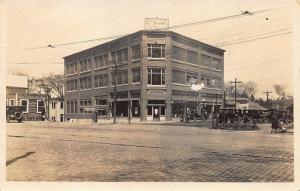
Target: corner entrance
x,y
156,111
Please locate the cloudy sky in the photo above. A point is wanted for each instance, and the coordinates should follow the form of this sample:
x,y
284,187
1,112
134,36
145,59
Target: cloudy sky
x,y
265,57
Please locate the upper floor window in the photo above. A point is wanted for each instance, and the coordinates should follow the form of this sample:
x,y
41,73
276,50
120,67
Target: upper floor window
x,y
178,76
192,57
156,76
101,80
85,83
85,65
72,85
156,50
71,68
101,61
216,63
136,52
191,78
205,60
122,77
182,77
178,53
120,56
136,76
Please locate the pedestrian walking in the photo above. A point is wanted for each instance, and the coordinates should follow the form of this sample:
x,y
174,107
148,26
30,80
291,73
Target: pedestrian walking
x,y
94,117
274,123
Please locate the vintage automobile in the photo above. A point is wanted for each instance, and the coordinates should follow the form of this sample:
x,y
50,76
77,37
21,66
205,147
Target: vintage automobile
x,y
15,113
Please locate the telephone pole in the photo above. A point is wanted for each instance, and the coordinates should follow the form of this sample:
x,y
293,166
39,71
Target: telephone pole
x,y
267,93
235,83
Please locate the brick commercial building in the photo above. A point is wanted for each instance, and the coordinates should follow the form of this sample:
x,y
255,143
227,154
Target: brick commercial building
x,y
153,73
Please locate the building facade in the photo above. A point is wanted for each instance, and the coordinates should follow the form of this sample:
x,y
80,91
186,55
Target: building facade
x,y
153,73
17,95
56,110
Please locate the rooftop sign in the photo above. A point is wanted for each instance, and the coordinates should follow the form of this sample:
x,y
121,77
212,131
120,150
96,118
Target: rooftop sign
x,y
156,24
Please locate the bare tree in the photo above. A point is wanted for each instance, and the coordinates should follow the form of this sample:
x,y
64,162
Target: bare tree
x,y
54,82
246,89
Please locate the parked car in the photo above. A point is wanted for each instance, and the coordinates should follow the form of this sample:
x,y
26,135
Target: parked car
x,y
15,113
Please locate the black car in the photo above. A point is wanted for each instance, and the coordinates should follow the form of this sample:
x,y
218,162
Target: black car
x,y
15,113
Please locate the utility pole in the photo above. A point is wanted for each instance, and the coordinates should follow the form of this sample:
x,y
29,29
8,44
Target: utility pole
x,y
267,93
115,93
235,83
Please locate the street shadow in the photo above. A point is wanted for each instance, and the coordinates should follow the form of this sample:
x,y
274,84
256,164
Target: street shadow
x,y
18,158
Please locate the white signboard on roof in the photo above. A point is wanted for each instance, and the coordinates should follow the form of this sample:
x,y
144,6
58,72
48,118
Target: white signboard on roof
x,y
16,81
156,24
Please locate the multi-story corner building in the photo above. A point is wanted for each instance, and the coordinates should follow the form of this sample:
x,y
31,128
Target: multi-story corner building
x,y
153,72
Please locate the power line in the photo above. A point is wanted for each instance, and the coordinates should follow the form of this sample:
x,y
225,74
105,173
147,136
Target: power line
x,y
250,40
265,37
246,13
245,38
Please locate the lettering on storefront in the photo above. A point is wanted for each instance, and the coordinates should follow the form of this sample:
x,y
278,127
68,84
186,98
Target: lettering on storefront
x,y
89,109
156,94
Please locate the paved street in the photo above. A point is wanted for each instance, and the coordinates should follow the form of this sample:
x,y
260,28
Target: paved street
x,y
146,152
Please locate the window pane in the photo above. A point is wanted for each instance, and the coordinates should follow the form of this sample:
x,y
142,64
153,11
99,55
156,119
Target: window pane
x,y
125,55
192,57
136,52
156,53
205,60
156,79
136,75
119,57
178,53
149,77
178,77
125,77
155,70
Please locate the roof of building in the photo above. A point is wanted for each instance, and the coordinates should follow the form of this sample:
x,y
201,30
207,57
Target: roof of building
x,y
251,105
150,31
16,81
256,106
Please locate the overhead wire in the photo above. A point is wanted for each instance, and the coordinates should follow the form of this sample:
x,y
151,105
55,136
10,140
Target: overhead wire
x,y
224,44
171,27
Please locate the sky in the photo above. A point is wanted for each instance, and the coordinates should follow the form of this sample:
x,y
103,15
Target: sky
x,y
266,61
